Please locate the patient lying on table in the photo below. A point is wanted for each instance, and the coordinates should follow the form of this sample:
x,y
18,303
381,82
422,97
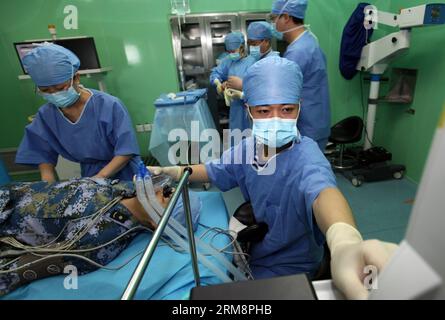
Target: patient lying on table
x,y
85,223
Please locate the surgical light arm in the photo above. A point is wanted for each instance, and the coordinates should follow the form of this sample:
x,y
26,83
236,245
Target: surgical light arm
x,y
377,55
420,16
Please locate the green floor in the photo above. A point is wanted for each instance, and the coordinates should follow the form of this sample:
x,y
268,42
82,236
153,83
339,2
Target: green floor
x,y
381,209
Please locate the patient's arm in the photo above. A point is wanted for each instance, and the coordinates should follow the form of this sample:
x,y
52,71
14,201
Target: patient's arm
x,y
47,172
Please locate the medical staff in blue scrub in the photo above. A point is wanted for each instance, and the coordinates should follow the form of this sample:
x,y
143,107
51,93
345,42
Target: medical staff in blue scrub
x,y
232,68
259,40
291,187
221,57
259,37
303,49
82,125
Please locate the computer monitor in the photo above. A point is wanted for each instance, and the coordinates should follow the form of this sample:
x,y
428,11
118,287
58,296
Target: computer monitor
x,y
83,47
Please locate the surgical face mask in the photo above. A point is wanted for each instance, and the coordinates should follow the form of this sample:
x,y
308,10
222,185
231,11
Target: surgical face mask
x,y
235,56
255,51
280,35
275,132
62,99
275,33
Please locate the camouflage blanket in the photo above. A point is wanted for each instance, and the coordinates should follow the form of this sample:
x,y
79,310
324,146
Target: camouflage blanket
x,y
52,216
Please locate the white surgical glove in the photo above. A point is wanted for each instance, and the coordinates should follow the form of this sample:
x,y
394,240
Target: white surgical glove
x,y
227,98
234,94
175,172
350,255
231,94
219,87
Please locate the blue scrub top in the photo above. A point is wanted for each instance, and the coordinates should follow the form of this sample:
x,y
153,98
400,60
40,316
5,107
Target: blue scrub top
x,y
283,200
238,117
271,53
103,131
315,115
4,176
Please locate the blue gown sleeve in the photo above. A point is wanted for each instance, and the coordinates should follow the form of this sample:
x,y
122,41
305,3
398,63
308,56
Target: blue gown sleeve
x,y
35,147
225,173
315,179
121,132
221,72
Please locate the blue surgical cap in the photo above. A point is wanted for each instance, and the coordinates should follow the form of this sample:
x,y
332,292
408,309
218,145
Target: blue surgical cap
x,y
294,8
259,30
273,80
50,64
234,40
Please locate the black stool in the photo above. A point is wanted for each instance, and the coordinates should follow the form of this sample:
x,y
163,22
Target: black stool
x,y
345,132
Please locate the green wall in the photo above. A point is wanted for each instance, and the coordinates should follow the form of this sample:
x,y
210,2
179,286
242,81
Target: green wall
x,y
143,24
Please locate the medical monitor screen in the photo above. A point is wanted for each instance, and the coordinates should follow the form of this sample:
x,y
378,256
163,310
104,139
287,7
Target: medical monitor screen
x,y
84,48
